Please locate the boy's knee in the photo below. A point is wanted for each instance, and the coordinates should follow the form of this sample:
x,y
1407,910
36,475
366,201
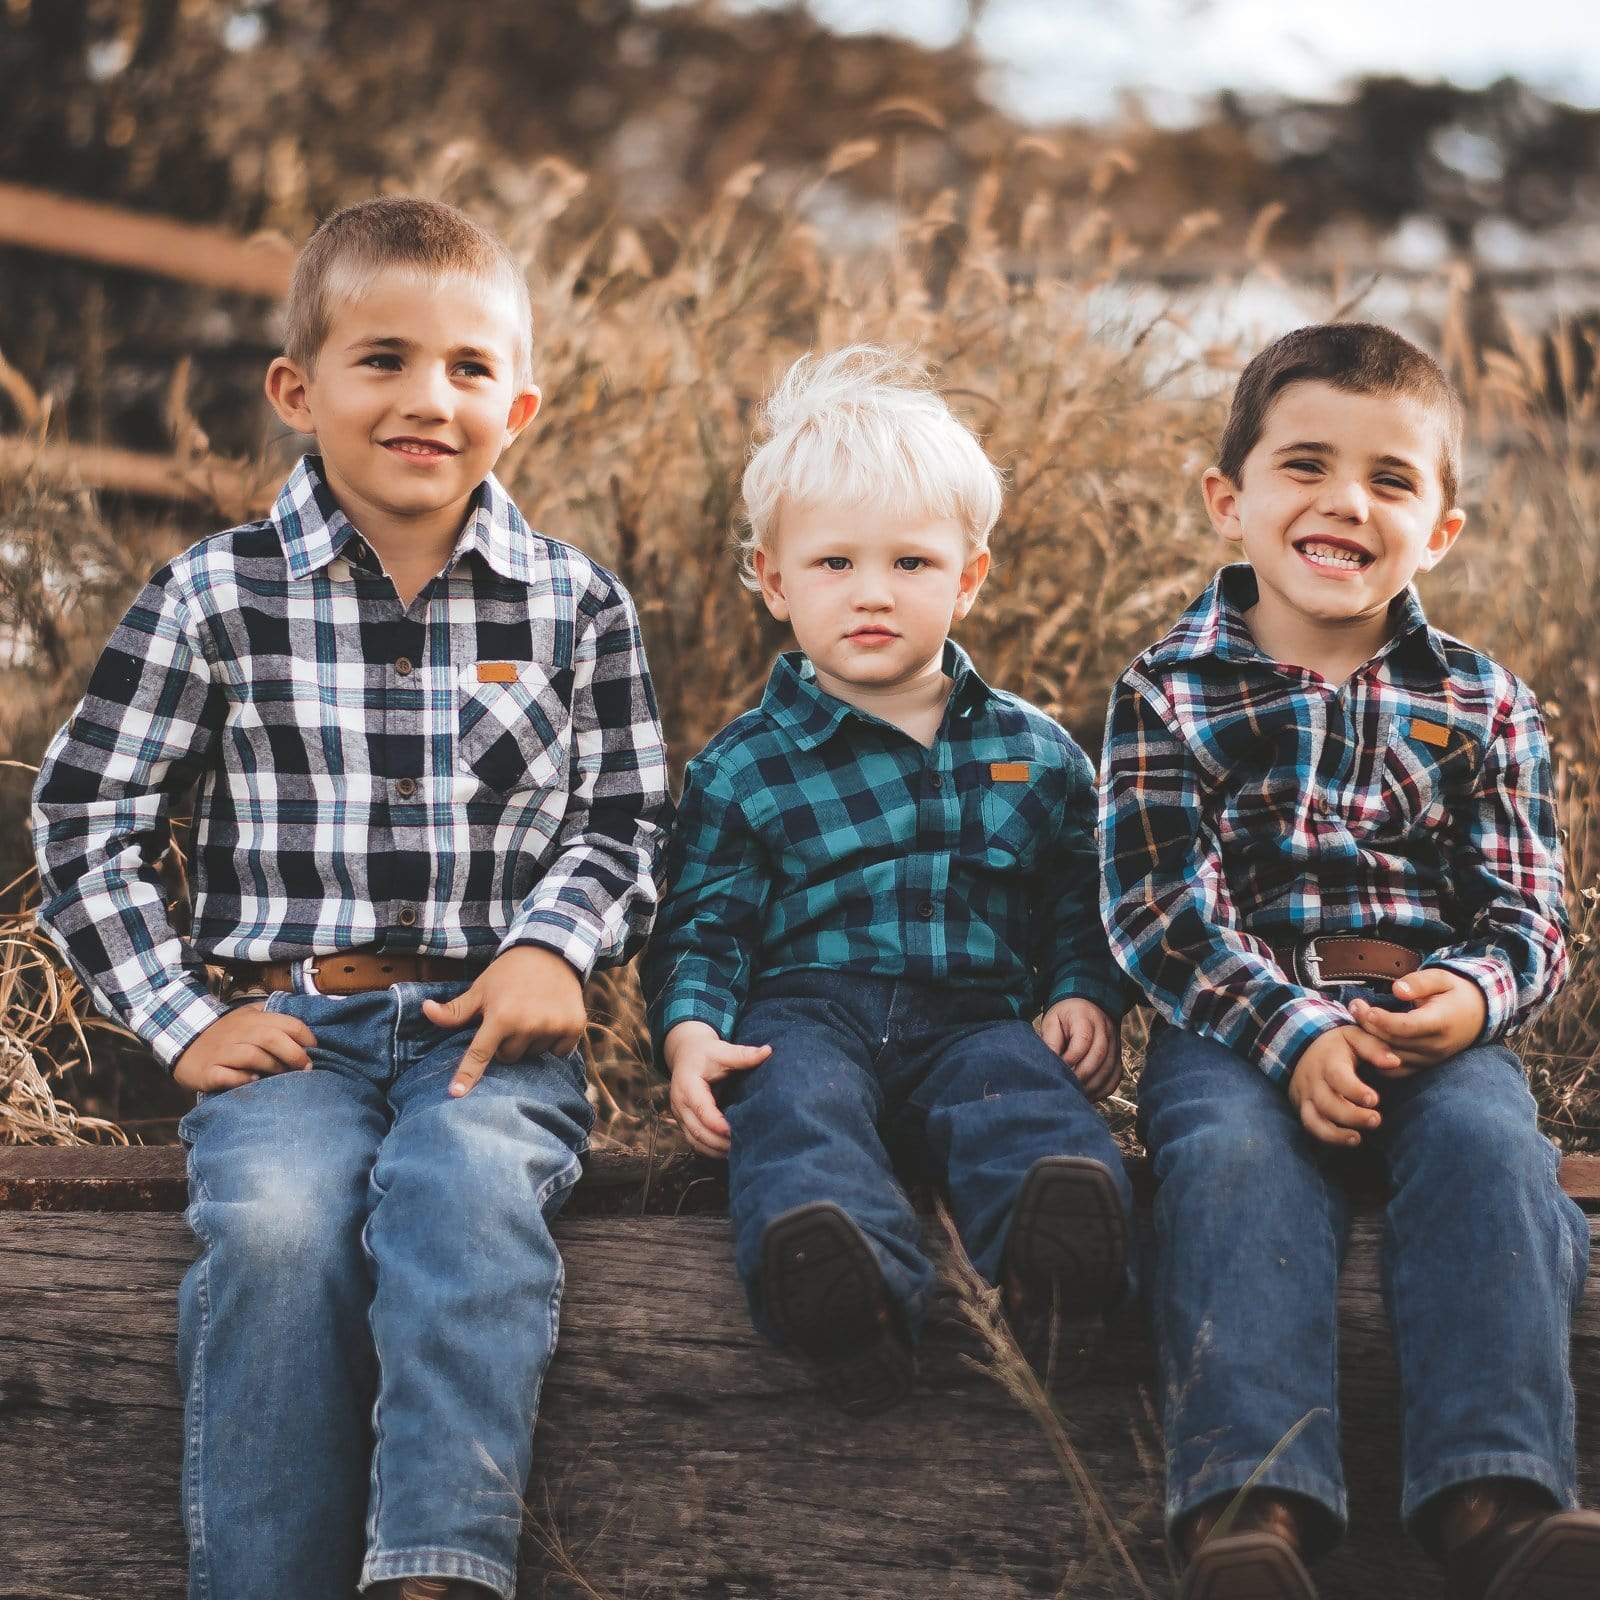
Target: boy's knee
x,y
291,1227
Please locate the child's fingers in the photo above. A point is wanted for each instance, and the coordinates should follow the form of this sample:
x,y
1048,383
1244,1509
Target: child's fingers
x,y
215,1079
1375,1052
476,1061
1319,1127
703,1124
739,1057
1425,983
1345,1081
1080,1039
1098,1076
1341,1110
243,1055
699,1100
456,1013
1399,1027
285,1048
1052,1032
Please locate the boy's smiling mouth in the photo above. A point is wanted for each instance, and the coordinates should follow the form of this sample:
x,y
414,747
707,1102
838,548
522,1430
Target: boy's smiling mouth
x,y
421,449
1336,555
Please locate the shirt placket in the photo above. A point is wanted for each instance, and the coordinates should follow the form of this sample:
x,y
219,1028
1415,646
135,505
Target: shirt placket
x,y
401,853
938,832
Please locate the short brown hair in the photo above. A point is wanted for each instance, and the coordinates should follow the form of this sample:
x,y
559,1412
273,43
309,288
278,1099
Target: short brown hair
x,y
356,243
1358,357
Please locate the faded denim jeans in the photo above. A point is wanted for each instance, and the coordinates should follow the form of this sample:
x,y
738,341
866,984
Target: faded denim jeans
x,y
1484,1261
362,1338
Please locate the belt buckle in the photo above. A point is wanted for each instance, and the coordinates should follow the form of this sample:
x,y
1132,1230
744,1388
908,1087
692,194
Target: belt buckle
x,y
1306,961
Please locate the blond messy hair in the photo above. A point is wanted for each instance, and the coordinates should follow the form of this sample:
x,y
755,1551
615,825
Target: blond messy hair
x,y
864,427
350,248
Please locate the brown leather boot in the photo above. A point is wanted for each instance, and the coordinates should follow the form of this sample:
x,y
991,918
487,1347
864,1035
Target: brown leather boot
x,y
1257,1559
1500,1539
428,1589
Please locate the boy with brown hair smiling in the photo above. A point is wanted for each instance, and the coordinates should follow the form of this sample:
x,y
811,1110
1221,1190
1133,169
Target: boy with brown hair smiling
x,y
431,783
1330,861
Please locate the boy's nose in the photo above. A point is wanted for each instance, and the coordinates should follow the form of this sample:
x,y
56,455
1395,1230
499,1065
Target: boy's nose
x,y
1347,499
429,396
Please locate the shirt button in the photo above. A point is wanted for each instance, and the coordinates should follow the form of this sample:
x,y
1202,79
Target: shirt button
x,y
936,782
406,916
405,788
403,667
925,909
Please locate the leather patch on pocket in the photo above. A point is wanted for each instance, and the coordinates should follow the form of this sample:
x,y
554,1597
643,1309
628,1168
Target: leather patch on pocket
x,y
1433,733
1009,771
497,672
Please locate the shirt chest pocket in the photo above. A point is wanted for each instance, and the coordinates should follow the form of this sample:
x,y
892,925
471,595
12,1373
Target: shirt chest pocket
x,y
1427,773
1012,816
513,725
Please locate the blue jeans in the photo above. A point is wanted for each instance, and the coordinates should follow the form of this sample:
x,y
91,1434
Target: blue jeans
x,y
362,1338
1484,1261
860,1064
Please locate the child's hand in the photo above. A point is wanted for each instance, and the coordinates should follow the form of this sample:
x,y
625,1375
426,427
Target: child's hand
x,y
529,999
1332,1100
1088,1041
1446,1017
698,1058
250,1042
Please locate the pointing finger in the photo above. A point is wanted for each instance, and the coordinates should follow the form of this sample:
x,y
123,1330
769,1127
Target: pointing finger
x,y
476,1061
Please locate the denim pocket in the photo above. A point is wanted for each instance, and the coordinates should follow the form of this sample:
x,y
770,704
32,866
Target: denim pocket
x,y
513,734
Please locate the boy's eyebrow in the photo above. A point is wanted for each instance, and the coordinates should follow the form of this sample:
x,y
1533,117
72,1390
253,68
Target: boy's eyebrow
x,y
393,341
1306,447
1397,461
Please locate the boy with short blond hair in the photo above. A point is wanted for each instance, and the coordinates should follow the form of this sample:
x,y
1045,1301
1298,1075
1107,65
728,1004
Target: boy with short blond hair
x,y
431,789
878,876
1331,863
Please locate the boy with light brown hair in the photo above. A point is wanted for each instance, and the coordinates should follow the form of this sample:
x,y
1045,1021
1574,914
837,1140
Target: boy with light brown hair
x,y
431,787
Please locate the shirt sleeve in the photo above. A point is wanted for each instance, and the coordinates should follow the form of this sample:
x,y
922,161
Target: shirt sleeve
x,y
1508,876
101,808
718,882
1071,955
595,901
1166,906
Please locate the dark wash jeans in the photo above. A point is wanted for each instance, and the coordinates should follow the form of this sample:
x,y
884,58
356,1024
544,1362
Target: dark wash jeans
x,y
1484,1261
859,1063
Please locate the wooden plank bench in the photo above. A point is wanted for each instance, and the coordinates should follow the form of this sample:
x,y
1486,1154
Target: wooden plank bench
x,y
677,1454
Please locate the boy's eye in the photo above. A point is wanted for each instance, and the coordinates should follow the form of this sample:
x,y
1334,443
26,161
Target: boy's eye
x,y
1390,481
1305,464
382,360
474,369
836,563
912,563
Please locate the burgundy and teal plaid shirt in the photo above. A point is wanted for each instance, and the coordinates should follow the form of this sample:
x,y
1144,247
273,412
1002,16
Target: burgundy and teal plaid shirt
x,y
1248,803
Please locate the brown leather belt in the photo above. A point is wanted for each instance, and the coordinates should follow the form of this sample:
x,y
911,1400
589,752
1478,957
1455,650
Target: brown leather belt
x,y
1345,958
348,972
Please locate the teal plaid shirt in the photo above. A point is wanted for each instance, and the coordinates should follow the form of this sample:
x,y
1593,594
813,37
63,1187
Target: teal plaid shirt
x,y
812,835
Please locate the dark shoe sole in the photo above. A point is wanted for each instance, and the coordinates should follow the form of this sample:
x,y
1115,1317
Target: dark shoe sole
x,y
825,1295
1065,1263
1559,1560
1246,1566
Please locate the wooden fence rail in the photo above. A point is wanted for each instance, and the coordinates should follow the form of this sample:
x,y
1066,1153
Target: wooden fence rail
x,y
677,1454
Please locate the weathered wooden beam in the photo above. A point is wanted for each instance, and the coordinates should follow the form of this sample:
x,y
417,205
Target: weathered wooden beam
x,y
677,1454
615,1183
156,477
40,219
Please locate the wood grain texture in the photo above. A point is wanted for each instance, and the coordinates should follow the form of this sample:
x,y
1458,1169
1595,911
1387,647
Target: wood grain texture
x,y
677,1454
615,1183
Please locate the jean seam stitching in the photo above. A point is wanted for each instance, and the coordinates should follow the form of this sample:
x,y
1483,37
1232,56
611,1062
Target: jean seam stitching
x,y
199,1554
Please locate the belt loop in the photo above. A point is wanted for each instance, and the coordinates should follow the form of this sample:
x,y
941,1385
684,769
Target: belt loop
x,y
308,975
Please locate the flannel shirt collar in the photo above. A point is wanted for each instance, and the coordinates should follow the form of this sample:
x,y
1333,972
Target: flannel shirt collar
x,y
1214,626
810,715
313,530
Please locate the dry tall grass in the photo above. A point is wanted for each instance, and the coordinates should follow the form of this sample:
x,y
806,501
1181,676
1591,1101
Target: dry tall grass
x,y
651,377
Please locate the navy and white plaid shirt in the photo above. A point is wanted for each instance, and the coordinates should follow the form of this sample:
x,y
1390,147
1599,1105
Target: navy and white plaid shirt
x,y
1247,802
814,835
483,770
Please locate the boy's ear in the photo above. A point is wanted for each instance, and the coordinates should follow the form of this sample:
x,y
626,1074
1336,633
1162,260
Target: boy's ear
x,y
972,576
771,581
524,408
1222,503
286,388
1442,537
